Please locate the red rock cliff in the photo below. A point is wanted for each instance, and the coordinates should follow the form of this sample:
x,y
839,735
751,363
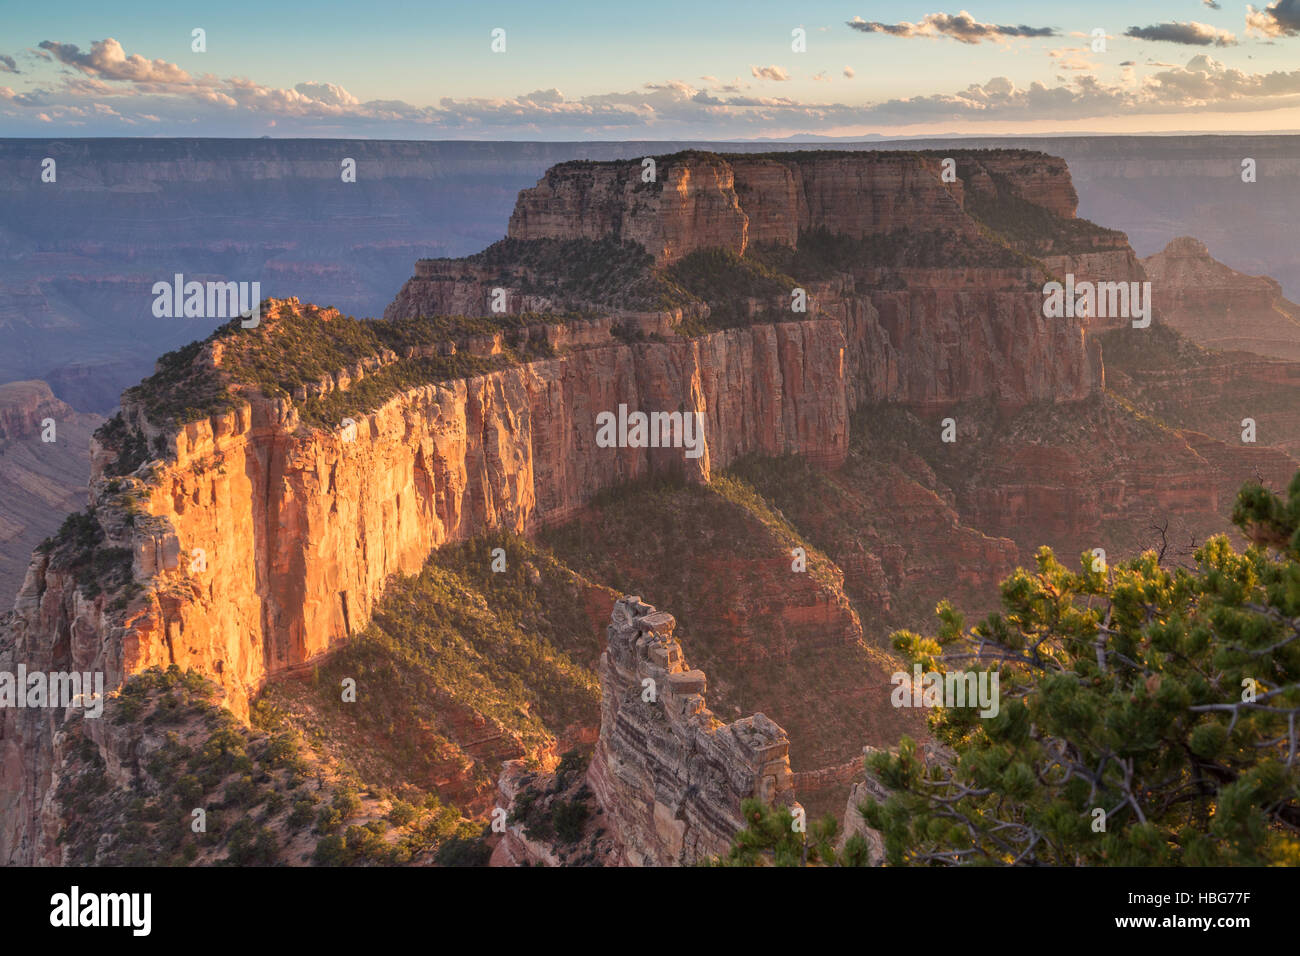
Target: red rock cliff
x,y
700,200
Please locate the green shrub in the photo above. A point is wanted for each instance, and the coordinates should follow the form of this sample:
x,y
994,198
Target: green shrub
x,y
302,814
328,819
401,813
347,803
332,850
568,818
251,845
241,793
464,851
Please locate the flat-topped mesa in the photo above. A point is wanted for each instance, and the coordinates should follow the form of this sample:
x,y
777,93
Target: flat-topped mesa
x,y
705,200
934,279
670,775
1035,177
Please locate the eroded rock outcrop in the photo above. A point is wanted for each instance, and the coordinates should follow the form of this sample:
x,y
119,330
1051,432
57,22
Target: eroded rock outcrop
x,y
1219,307
1034,177
690,205
670,775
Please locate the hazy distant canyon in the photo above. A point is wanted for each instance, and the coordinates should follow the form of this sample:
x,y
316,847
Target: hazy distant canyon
x,y
79,256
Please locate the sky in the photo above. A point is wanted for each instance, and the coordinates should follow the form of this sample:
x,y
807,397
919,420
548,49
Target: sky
x,y
658,70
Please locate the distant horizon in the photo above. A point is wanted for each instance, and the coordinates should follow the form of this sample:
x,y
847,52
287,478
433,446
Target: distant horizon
x,y
800,139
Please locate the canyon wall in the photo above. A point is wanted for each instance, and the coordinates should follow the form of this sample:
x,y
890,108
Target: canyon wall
x,y
943,336
42,480
256,543
1219,307
263,543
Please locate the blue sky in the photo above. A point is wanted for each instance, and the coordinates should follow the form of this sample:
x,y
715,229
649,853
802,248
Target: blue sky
x,y
662,70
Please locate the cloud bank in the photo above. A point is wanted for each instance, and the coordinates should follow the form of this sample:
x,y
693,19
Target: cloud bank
x,y
109,91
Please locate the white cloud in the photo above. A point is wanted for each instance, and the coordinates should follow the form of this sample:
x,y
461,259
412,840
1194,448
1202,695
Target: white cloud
x,y
1071,58
107,59
327,93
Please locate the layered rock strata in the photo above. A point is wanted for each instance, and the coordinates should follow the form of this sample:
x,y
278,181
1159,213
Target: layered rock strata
x,y
696,200
704,200
256,543
670,775
261,543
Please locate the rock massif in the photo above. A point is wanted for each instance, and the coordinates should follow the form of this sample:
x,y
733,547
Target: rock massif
x,y
256,542
702,200
930,333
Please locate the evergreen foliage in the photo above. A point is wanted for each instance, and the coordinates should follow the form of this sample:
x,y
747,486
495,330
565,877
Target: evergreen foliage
x,y
771,839
1165,699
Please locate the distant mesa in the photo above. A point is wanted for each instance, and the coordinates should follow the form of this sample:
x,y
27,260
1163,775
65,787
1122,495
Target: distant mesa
x,y
1217,306
706,200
